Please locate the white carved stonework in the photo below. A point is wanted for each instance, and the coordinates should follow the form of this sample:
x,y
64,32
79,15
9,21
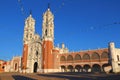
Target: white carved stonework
x,y
34,55
48,25
33,40
115,57
29,29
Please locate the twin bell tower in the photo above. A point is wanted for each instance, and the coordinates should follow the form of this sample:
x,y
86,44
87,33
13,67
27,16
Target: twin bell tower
x,y
39,54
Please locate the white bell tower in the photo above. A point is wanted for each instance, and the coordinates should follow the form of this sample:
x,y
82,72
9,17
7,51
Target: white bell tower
x,y
48,41
29,29
48,25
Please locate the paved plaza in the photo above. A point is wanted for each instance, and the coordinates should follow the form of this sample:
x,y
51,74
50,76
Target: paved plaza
x,y
59,76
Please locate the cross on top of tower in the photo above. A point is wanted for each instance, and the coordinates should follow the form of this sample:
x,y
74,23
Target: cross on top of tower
x,y
48,5
30,12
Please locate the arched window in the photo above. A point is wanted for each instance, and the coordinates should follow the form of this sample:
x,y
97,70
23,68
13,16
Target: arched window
x,y
95,56
36,53
50,32
3,67
69,58
62,58
104,55
46,32
86,57
77,57
30,35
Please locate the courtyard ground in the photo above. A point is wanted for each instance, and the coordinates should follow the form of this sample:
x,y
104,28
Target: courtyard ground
x,y
59,76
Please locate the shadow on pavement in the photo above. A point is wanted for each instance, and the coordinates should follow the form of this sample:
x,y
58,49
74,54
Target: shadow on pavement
x,y
64,77
109,77
82,76
18,77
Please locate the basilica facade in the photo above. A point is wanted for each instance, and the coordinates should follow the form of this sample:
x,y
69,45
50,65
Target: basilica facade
x,y
32,47
39,51
40,55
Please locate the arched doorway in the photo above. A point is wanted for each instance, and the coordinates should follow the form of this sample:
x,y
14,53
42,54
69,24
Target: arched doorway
x,y
35,67
15,66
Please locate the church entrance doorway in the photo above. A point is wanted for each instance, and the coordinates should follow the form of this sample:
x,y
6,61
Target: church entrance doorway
x,y
15,66
35,67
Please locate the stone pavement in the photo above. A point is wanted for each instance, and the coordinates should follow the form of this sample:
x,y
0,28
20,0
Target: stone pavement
x,y
19,76
59,76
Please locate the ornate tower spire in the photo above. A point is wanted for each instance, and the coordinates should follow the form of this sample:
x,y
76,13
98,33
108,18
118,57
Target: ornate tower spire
x,y
48,25
29,28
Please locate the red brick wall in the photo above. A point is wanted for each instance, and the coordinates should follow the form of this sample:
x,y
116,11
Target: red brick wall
x,y
56,58
24,57
47,55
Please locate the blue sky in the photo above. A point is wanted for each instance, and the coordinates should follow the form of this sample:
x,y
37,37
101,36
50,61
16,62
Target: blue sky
x,y
80,24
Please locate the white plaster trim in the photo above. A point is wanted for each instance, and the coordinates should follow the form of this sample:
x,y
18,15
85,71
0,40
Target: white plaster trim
x,y
48,39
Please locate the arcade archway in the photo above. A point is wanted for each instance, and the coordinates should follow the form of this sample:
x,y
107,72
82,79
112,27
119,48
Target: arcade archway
x,y
63,68
96,68
78,68
70,68
86,68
